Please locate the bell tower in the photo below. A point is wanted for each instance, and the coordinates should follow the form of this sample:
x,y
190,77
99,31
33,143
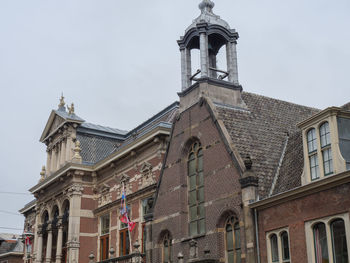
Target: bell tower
x,y
208,33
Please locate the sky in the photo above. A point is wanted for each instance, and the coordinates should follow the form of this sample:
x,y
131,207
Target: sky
x,y
119,62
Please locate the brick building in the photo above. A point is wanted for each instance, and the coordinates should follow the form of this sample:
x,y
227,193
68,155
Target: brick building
x,y
222,176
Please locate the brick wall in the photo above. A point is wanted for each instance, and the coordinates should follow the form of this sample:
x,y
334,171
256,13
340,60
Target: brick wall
x,y
222,189
293,214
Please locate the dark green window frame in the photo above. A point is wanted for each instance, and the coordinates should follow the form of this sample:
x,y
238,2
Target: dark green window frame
x,y
196,190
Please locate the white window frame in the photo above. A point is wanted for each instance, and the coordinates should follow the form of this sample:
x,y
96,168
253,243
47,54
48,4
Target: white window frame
x,y
310,243
278,233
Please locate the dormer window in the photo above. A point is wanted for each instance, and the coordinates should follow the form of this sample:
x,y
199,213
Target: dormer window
x,y
312,150
326,149
326,144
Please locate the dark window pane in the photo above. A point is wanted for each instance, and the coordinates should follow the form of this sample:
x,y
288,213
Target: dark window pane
x,y
193,213
200,163
193,182
230,258
238,256
193,228
285,246
193,197
320,242
229,239
274,248
200,179
201,211
237,236
340,250
192,167
201,194
201,226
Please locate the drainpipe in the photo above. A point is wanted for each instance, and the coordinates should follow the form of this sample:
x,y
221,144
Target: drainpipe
x,y
257,235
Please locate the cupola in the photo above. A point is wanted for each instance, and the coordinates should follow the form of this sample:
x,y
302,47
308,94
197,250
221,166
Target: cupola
x,y
208,33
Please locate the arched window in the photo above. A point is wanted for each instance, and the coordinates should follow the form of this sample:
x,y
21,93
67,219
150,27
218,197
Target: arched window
x,y
340,251
233,241
285,246
326,148
274,248
312,150
320,242
196,190
166,248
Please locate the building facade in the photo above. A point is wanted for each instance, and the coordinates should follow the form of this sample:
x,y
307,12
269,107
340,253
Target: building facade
x,y
223,175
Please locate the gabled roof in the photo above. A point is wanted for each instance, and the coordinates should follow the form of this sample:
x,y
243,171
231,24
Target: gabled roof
x,y
56,120
262,131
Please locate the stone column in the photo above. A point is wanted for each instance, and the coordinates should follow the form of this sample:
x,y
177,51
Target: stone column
x,y
39,250
49,243
69,149
73,244
188,67
249,185
183,69
204,57
58,156
59,240
53,160
48,162
63,152
231,57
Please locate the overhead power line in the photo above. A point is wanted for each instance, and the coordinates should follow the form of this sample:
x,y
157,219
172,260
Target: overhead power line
x,y
11,228
14,193
10,213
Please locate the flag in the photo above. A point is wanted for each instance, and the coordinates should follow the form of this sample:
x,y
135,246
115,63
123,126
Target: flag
x,y
124,217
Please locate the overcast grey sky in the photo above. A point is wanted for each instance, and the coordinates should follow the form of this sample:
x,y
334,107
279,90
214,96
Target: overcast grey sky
x,y
119,62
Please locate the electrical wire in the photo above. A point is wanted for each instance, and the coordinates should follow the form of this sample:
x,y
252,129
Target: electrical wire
x,y
14,193
10,213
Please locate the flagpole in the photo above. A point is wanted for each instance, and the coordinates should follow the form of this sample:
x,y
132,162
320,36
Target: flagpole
x,y
130,244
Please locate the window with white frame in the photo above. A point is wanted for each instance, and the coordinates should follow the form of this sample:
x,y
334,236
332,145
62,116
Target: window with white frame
x,y
328,239
312,150
278,246
326,150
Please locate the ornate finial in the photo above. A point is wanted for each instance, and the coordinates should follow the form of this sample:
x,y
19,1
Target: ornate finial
x,y
42,174
206,6
62,103
70,109
77,157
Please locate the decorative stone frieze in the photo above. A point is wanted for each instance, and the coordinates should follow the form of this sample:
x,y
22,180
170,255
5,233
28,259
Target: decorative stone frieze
x,y
105,195
75,189
147,175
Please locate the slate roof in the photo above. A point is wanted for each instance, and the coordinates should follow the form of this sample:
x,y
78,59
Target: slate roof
x,y
65,115
261,131
98,142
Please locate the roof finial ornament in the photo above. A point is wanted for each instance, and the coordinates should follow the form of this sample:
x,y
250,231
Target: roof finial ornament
x,y
62,103
206,6
70,109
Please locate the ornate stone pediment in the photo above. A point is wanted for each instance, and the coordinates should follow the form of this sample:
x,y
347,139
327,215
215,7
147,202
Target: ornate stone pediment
x,y
104,195
56,123
147,175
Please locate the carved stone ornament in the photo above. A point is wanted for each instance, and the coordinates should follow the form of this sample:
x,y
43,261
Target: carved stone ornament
x,y
104,196
193,249
75,189
147,175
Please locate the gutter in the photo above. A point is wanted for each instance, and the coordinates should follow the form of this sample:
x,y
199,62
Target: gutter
x,y
257,235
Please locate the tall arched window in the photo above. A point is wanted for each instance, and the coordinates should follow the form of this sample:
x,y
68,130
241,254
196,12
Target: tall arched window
x,y
274,248
340,250
326,148
312,150
166,248
233,241
196,190
321,246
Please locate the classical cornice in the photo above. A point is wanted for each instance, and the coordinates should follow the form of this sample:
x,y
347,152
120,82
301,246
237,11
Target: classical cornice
x,y
305,190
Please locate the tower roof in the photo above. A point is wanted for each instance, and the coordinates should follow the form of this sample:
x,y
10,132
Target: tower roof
x,y
207,15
